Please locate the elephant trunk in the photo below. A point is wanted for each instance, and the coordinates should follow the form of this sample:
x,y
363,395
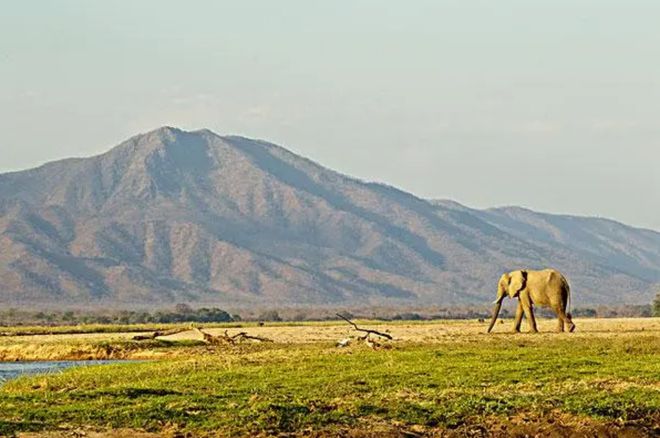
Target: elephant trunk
x,y
496,312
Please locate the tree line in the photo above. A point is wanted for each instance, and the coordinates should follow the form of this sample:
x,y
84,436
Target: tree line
x,y
186,313
180,313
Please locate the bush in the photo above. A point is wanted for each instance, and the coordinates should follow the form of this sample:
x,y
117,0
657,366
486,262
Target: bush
x,y
181,313
270,315
585,311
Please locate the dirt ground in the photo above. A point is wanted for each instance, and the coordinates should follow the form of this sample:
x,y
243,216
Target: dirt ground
x,y
440,330
519,427
423,332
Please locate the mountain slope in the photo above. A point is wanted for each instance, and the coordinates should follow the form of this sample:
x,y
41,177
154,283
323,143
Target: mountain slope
x,y
192,216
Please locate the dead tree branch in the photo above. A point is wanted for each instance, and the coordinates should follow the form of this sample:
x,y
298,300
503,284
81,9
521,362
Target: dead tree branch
x,y
243,335
367,331
227,339
159,333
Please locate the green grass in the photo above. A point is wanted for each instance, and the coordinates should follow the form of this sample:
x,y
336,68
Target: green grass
x,y
274,388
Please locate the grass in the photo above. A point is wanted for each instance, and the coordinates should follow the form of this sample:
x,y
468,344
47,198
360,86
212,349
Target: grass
x,y
505,382
98,328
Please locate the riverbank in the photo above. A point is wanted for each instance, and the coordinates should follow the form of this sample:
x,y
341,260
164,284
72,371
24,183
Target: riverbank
x,y
100,342
443,379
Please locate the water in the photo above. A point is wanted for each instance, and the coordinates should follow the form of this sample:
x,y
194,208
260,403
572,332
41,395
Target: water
x,y
11,370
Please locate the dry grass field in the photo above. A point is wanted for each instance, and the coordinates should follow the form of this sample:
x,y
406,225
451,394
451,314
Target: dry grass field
x,y
441,378
441,331
331,331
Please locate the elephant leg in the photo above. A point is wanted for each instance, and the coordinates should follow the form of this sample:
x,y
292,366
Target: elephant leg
x,y
565,318
518,320
529,314
561,321
569,322
561,318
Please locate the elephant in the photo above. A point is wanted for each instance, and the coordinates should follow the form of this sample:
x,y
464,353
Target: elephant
x,y
546,288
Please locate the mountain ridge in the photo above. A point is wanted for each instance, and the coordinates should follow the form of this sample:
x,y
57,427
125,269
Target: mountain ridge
x,y
173,215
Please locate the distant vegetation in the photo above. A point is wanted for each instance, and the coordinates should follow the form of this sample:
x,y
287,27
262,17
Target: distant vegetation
x,y
182,313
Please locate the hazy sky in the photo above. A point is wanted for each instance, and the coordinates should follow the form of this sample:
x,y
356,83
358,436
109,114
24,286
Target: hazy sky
x,y
553,105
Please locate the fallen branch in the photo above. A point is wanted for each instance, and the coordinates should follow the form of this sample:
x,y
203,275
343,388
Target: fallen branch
x,y
227,339
58,330
159,333
367,331
243,335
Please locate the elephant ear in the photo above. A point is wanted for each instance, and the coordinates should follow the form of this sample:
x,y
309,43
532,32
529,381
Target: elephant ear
x,y
517,282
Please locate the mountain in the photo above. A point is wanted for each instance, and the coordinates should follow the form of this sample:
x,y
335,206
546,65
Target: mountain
x,y
173,216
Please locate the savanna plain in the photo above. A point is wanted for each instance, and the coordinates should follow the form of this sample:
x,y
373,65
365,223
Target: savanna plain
x,y
440,378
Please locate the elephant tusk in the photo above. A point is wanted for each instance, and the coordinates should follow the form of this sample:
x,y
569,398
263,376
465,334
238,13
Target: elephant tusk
x,y
496,301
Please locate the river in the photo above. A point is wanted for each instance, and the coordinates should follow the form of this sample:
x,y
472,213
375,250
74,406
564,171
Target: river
x,y
10,370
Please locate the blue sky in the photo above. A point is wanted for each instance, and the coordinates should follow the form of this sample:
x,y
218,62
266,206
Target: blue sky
x,y
552,105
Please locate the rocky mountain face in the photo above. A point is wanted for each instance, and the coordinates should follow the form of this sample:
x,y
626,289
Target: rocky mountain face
x,y
173,216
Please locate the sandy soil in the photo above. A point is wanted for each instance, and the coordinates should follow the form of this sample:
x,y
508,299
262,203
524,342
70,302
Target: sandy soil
x,y
435,331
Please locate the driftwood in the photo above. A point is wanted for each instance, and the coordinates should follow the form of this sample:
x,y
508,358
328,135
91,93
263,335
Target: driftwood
x,y
227,339
159,333
223,339
54,330
243,335
367,331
